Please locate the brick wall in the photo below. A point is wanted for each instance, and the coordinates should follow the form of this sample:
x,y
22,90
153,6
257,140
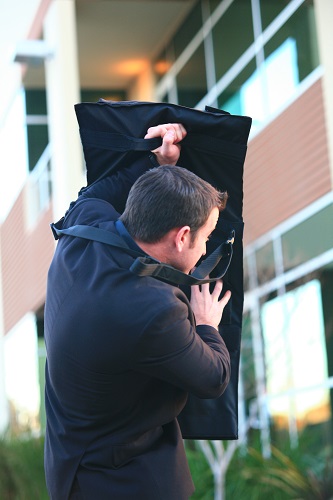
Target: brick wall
x,y
26,255
287,165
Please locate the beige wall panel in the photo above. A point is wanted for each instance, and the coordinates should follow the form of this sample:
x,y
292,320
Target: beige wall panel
x,y
287,165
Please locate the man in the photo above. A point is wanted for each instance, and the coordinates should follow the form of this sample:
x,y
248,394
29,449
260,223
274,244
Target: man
x,y
123,351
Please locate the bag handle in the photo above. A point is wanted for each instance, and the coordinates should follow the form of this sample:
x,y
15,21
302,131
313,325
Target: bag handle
x,y
122,143
145,265
117,142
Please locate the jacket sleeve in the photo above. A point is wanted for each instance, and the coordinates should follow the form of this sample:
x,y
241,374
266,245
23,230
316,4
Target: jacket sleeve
x,y
115,188
196,360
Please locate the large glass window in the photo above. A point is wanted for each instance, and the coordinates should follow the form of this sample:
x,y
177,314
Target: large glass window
x,y
298,32
246,275
40,186
308,239
326,281
290,56
269,10
37,133
295,353
163,62
188,30
232,35
213,4
179,42
265,263
296,327
264,84
248,368
237,98
191,80
280,77
261,92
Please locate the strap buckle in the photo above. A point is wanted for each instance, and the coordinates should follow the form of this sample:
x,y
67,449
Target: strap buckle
x,y
56,228
231,239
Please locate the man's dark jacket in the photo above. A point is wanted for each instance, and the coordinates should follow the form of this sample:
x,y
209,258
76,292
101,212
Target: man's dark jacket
x,y
122,354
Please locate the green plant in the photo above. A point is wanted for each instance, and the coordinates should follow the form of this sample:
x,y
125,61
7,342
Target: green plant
x,y
294,479
8,485
22,470
302,473
201,473
242,485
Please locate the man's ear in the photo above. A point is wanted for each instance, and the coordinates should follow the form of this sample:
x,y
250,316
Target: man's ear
x,y
181,237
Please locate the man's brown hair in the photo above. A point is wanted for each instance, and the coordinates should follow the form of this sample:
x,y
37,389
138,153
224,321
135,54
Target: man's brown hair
x,y
169,197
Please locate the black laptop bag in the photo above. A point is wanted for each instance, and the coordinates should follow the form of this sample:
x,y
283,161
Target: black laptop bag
x,y
214,149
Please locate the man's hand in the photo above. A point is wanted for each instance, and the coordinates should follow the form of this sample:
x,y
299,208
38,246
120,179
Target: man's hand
x,y
206,306
172,134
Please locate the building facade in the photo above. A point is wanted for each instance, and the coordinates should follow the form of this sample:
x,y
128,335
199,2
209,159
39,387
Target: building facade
x,y
267,59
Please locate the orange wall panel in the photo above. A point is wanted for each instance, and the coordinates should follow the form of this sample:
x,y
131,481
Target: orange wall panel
x,y
287,165
26,255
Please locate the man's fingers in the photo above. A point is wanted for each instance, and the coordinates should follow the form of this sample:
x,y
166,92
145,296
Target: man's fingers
x,y
205,289
207,307
169,142
217,289
225,299
166,130
180,132
158,131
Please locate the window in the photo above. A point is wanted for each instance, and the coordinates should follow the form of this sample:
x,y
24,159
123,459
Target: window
x,y
232,35
188,30
295,354
191,80
261,92
270,9
265,263
253,77
308,239
37,129
299,30
163,62
296,314
213,4
246,275
248,369
179,42
233,99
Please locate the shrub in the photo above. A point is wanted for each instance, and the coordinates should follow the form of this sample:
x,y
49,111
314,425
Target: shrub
x,y
22,469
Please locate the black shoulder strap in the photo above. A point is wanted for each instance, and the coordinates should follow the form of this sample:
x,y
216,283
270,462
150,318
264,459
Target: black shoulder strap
x,y
144,265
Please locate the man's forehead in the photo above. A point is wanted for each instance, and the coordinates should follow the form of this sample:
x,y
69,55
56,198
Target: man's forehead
x,y
213,218
215,214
